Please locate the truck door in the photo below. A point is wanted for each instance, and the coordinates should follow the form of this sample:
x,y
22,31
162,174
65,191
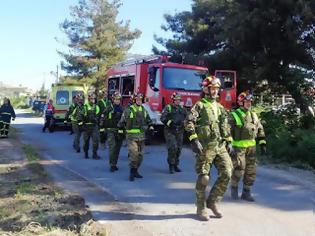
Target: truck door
x,y
127,88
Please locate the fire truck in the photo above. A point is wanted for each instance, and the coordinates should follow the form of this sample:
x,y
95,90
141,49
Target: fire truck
x,y
157,79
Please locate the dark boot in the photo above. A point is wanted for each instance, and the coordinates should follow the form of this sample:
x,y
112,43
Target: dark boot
x,y
247,196
113,168
177,169
132,174
137,175
95,156
202,214
171,169
213,207
86,155
234,192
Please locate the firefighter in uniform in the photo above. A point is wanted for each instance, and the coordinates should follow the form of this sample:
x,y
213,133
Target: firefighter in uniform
x,y
69,112
77,117
91,113
135,120
209,133
173,116
115,135
102,102
245,128
6,114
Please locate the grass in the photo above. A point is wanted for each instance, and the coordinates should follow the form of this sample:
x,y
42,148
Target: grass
x,y
33,160
32,205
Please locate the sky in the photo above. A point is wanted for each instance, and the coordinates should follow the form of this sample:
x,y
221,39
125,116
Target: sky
x,y
29,28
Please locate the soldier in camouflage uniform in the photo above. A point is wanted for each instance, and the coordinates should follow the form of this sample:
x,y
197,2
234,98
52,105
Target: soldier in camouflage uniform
x,y
102,102
91,113
115,135
245,128
135,120
77,118
69,112
209,132
173,116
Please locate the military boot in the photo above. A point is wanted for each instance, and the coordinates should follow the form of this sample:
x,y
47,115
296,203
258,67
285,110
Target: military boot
x,y
86,155
202,214
247,196
171,169
95,156
137,175
234,192
132,174
177,169
213,207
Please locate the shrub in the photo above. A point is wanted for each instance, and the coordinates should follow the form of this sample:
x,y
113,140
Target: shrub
x,y
289,139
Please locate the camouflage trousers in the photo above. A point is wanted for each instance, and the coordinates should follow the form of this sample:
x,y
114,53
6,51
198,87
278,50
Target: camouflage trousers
x,y
4,129
77,130
135,150
90,131
103,135
114,142
244,163
174,143
218,156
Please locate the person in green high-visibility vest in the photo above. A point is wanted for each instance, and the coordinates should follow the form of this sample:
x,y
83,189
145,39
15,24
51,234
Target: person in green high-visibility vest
x,y
209,132
245,129
103,102
173,116
136,121
69,112
91,113
115,136
76,118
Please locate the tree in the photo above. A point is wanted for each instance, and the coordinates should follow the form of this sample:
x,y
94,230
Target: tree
x,y
96,40
264,40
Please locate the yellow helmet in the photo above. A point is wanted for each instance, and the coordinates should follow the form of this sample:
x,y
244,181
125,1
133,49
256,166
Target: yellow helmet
x,y
211,81
245,96
137,95
176,96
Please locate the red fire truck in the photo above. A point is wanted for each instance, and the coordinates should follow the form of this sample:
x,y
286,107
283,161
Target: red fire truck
x,y
157,79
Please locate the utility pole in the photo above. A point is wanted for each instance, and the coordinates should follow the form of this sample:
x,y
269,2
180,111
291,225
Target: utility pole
x,y
57,74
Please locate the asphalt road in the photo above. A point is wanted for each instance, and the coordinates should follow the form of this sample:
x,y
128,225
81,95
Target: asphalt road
x,y
163,204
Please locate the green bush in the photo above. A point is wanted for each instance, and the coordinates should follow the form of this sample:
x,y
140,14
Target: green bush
x,y
288,139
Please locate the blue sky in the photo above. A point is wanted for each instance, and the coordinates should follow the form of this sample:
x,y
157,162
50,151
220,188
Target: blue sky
x,y
28,29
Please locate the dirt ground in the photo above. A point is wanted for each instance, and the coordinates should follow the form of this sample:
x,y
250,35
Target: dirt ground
x,y
30,202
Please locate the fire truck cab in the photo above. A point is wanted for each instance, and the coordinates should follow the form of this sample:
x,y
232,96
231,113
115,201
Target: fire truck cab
x,y
157,79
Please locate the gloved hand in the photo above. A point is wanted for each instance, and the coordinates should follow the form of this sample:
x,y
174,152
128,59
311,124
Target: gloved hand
x,y
196,146
121,133
151,130
263,149
171,124
230,149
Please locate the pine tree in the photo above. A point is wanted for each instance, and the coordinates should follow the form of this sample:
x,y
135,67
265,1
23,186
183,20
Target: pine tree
x,y
96,40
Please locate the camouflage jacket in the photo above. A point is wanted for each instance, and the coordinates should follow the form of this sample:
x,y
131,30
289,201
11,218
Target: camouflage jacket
x,y
245,128
135,120
208,121
112,115
91,114
173,117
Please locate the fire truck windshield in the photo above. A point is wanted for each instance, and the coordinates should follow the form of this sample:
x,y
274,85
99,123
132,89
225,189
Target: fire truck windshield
x,y
182,79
